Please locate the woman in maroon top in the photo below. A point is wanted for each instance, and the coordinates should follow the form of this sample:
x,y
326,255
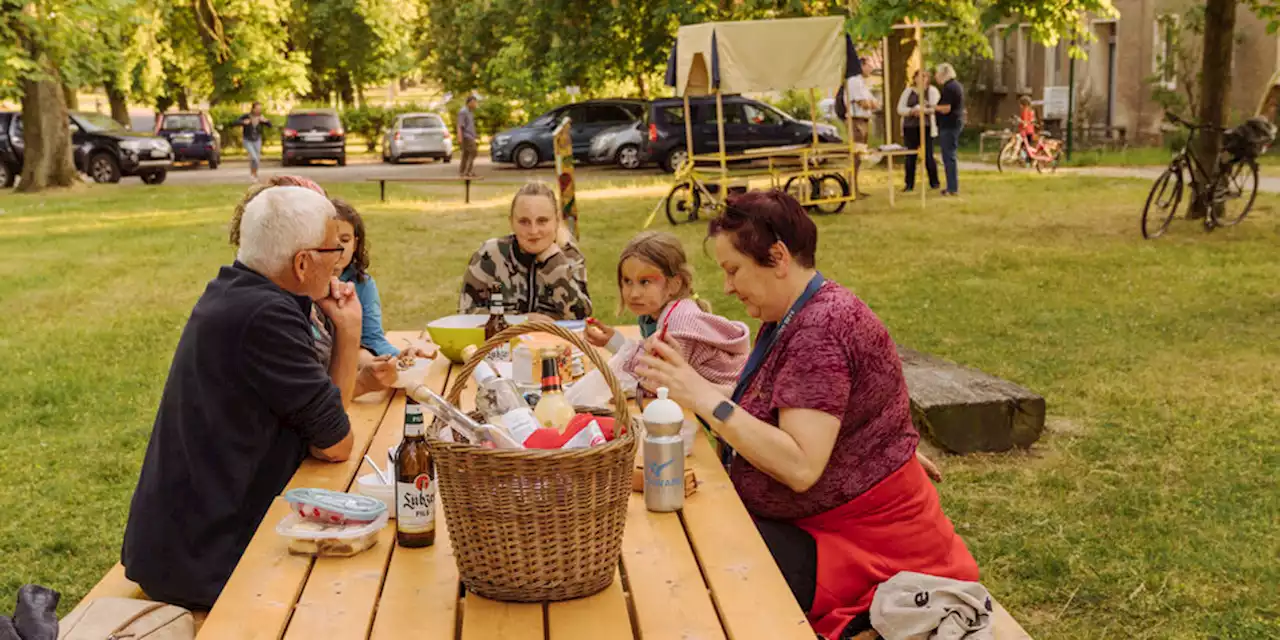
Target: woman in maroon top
x,y
824,452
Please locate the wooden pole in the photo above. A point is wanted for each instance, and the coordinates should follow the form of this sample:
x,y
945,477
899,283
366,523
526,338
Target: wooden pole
x,y
813,114
887,85
688,130
724,163
924,102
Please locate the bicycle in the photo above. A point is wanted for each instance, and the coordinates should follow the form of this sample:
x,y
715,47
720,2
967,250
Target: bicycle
x,y
689,195
1235,186
1045,155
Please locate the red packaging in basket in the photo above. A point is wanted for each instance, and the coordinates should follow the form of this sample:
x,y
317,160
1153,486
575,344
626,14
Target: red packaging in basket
x,y
545,438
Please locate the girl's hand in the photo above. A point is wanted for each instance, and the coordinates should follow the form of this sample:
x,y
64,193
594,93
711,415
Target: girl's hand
x,y
599,333
664,366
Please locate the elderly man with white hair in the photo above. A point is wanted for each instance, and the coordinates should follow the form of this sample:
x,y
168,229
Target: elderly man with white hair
x,y
950,112
246,400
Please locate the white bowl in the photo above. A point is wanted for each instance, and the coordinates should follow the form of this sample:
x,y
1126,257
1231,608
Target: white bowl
x,y
370,485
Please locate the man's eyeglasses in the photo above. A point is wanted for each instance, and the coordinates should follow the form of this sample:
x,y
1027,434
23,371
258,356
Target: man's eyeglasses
x,y
329,250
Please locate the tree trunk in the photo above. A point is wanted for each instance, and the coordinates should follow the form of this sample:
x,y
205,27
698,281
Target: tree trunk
x,y
119,104
72,97
346,93
47,160
900,71
182,100
644,89
1215,88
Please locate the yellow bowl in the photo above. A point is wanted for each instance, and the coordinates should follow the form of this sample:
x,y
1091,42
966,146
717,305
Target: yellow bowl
x,y
457,332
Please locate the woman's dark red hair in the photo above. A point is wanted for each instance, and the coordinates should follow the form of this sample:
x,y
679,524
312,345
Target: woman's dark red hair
x,y
757,219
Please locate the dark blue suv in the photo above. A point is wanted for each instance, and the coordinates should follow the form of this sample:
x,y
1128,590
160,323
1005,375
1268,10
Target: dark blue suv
x,y
531,144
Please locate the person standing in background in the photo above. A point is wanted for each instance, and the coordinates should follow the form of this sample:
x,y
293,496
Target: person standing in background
x,y
857,99
469,138
950,112
910,106
252,124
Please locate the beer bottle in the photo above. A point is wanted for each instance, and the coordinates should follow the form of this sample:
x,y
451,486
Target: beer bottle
x,y
497,310
497,322
415,483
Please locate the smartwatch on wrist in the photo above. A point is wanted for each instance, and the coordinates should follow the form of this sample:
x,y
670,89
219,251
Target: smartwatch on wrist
x,y
724,410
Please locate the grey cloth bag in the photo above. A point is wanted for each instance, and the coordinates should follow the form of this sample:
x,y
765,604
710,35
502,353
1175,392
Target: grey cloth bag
x,y
915,606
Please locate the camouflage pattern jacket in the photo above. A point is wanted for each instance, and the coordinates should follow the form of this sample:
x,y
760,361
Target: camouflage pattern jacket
x,y
554,284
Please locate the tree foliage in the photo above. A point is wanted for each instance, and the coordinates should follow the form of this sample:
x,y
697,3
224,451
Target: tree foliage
x,y
355,43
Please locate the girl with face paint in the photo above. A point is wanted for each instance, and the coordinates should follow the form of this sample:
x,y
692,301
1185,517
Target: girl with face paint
x,y
655,282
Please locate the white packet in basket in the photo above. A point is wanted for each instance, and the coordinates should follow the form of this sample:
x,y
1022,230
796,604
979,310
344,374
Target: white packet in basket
x,y
590,391
590,436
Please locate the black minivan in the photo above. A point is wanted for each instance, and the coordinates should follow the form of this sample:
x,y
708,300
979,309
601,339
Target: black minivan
x,y
313,134
748,124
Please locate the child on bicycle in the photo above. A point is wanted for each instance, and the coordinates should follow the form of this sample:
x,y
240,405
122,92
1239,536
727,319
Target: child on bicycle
x,y
655,282
1027,122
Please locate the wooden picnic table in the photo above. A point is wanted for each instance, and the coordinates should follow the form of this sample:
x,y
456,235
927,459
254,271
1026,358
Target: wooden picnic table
x,y
705,573
698,574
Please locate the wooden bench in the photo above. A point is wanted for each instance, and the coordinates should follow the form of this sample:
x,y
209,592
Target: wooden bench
x,y
382,184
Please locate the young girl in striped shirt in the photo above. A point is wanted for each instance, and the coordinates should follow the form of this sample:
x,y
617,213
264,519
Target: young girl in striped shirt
x,y
655,282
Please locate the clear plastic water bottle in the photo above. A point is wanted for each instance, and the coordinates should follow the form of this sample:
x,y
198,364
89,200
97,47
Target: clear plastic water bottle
x,y
663,454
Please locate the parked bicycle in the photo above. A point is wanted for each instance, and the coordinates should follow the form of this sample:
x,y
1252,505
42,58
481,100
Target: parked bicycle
x,y
1043,156
1232,192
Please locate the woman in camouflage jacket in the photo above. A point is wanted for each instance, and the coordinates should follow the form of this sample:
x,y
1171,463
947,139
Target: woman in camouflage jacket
x,y
538,273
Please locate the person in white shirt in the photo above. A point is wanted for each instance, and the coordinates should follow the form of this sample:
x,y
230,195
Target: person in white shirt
x,y
862,107
909,108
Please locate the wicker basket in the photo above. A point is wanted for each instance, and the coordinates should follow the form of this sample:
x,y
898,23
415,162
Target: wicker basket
x,y
536,525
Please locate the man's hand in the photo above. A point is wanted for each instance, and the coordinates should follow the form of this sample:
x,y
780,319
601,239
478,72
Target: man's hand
x,y
343,308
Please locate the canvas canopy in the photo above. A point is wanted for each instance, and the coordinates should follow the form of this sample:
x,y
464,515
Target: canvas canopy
x,y
1270,103
761,55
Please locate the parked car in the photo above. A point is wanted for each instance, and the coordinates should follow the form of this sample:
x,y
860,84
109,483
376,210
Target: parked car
x,y
417,135
10,160
192,136
313,134
619,145
748,124
531,144
101,147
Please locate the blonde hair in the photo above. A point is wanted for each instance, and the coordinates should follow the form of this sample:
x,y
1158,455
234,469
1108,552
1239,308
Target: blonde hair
x,y
664,251
946,72
540,189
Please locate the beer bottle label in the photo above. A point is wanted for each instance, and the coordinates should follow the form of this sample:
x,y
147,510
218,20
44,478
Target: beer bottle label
x,y
415,505
413,424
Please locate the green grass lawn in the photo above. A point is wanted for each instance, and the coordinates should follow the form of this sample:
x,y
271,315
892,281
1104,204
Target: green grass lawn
x,y
1148,510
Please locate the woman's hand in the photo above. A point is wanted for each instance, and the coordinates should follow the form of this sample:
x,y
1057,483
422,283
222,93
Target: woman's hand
x,y
599,333
663,365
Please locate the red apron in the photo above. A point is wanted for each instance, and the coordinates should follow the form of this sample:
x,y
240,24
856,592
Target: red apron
x,y
896,525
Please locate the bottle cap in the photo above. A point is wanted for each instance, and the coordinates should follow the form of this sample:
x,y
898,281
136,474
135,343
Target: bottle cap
x,y
663,411
483,372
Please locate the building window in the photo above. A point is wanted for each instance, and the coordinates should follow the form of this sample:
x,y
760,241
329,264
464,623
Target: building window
x,y
1165,48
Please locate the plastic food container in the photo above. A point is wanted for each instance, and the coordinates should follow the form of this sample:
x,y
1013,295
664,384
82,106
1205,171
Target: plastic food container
x,y
308,537
332,507
370,485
